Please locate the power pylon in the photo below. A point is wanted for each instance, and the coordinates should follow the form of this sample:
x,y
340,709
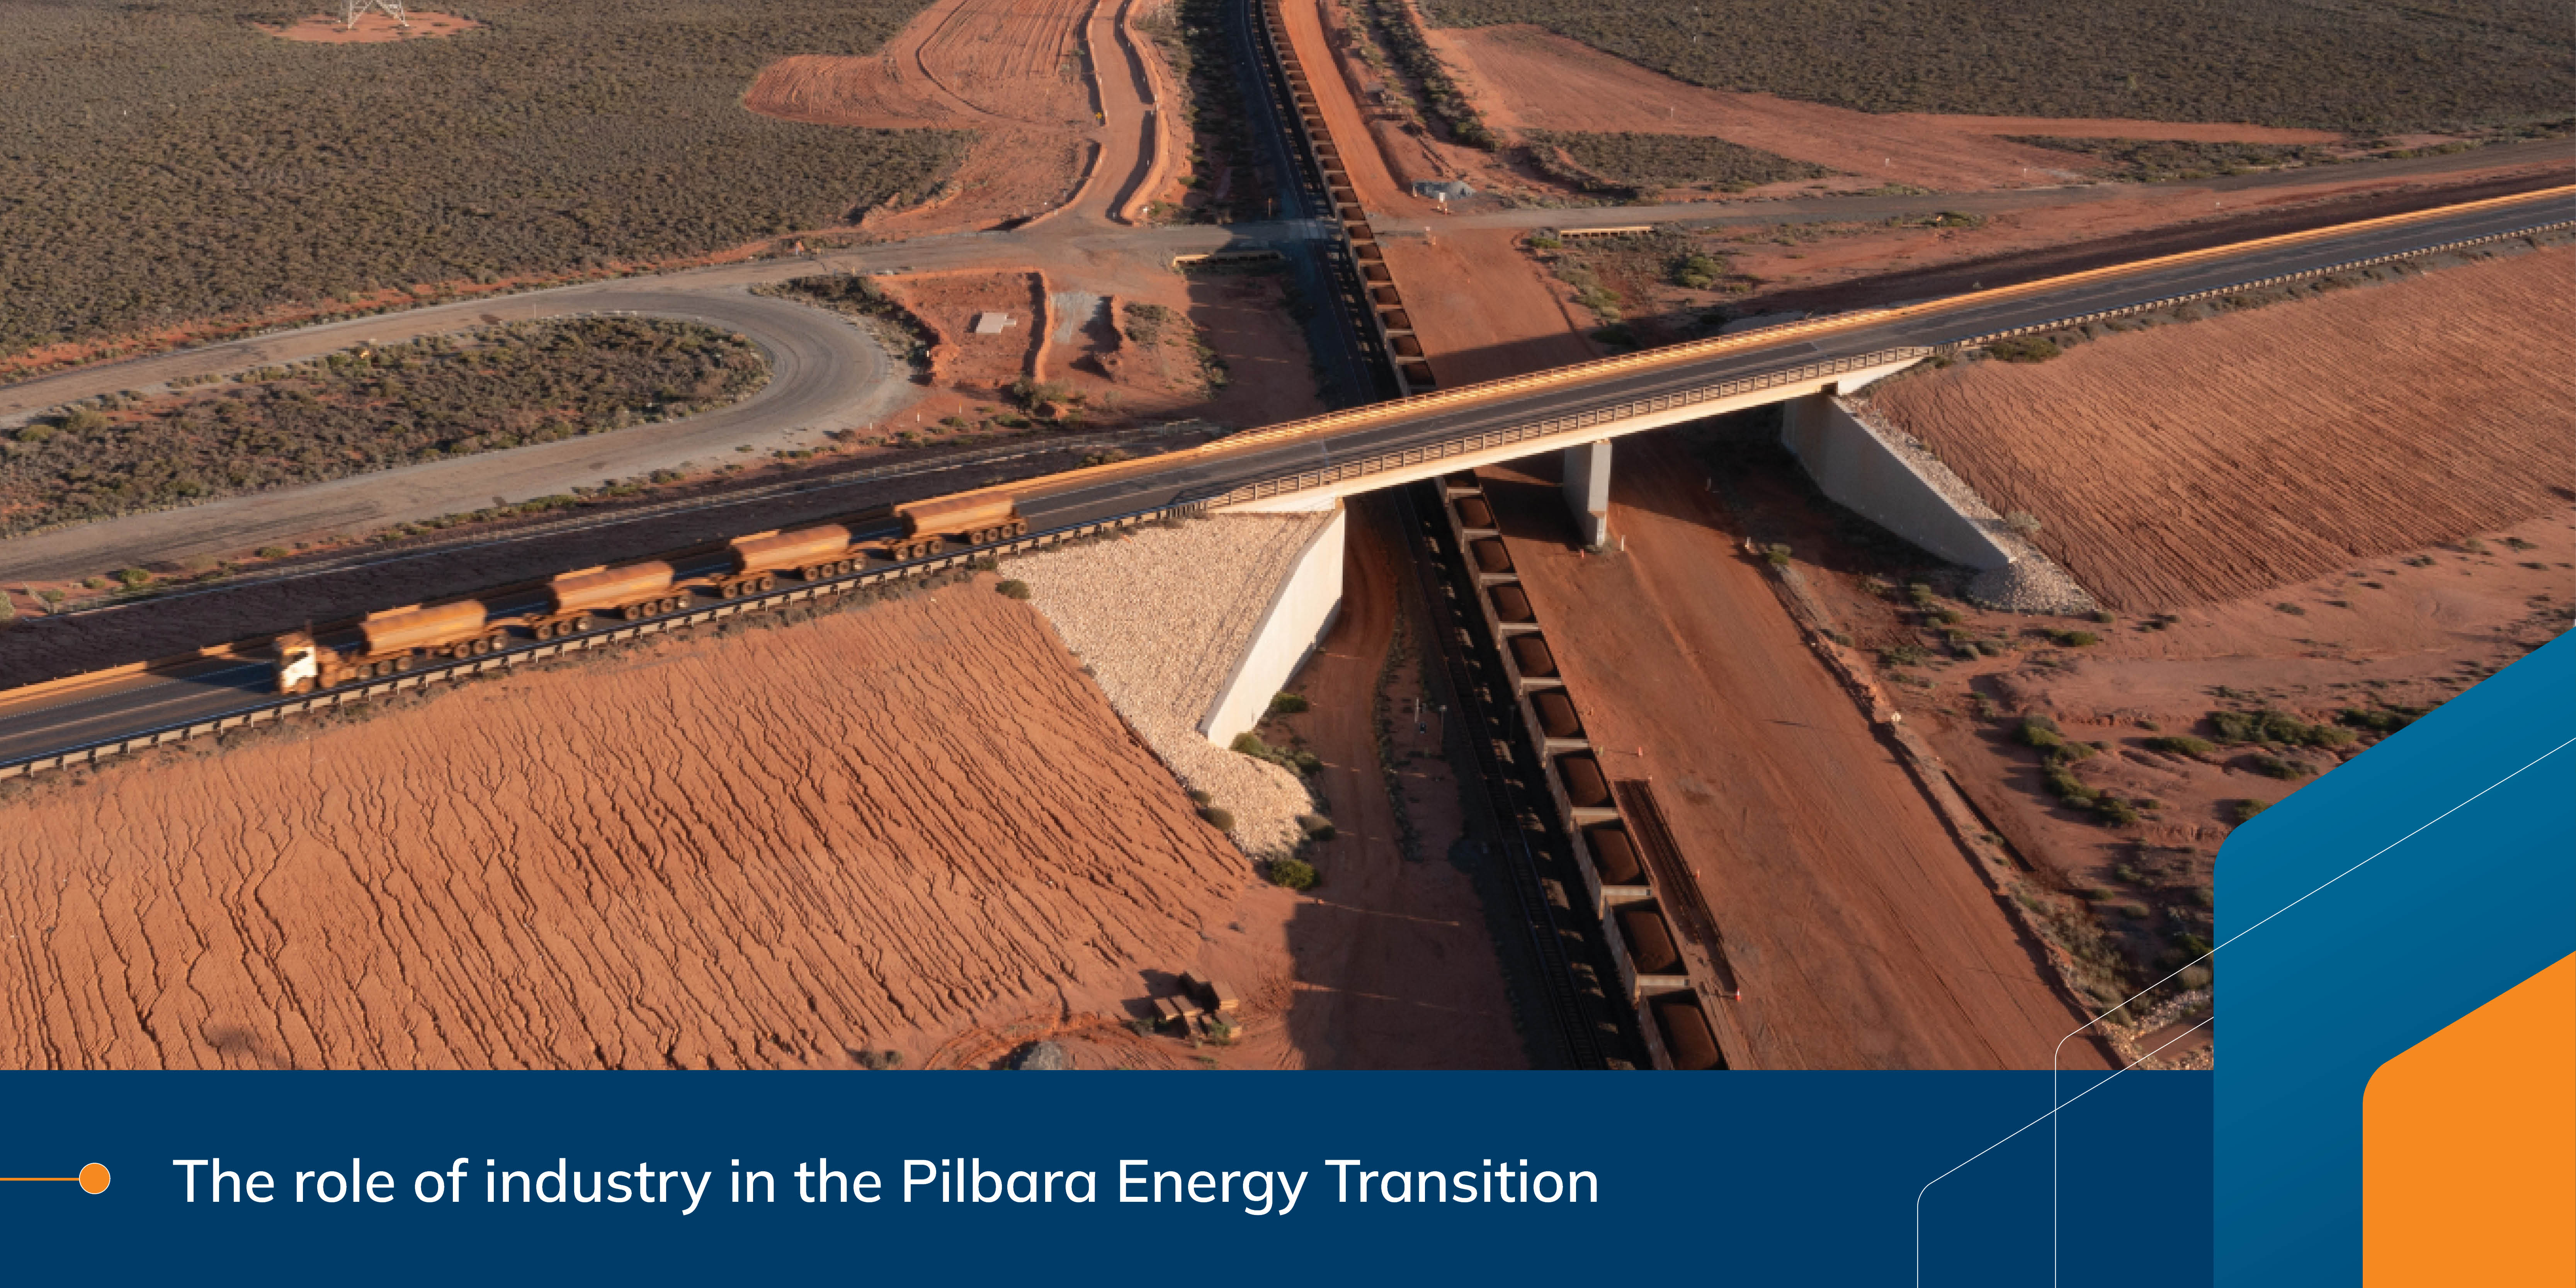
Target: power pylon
x,y
352,10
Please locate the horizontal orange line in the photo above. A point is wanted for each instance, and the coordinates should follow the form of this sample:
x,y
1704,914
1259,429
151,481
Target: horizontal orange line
x,y
39,1178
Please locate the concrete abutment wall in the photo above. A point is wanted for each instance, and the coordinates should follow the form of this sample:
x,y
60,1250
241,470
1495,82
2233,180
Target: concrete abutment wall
x,y
1901,490
1299,616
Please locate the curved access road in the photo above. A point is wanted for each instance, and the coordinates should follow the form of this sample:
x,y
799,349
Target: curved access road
x,y
824,373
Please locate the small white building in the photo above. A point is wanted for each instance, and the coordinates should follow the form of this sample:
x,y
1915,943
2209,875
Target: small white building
x,y
991,323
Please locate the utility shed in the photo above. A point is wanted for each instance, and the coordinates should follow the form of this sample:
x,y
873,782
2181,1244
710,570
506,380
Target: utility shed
x,y
991,323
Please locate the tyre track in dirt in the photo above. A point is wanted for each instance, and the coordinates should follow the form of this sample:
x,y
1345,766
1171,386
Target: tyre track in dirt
x,y
803,842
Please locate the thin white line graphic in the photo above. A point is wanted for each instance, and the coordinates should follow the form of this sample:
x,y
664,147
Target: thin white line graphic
x,y
2054,1054
2051,1114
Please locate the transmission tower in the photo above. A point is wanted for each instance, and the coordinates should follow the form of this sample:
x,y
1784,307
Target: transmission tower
x,y
352,10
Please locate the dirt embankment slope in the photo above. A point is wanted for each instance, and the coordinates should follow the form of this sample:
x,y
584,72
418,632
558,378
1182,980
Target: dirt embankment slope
x,y
869,831
2187,464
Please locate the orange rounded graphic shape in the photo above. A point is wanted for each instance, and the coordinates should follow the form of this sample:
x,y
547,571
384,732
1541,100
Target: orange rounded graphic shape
x,y
93,1178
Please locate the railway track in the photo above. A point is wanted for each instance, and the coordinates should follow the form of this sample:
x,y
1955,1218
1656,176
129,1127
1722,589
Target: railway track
x,y
1588,1030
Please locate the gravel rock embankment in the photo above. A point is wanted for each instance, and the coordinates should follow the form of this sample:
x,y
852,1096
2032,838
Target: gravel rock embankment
x,y
1161,616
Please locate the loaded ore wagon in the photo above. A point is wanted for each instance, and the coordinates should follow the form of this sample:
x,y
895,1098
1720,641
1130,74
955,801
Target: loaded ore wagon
x,y
974,520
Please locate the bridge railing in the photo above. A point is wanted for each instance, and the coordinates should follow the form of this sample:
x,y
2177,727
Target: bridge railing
x,y
1411,457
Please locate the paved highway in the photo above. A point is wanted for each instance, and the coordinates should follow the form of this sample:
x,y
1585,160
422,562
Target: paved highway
x,y
1215,470
51,721
825,374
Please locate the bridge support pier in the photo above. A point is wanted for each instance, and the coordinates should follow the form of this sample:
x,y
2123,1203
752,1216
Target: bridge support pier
x,y
1587,490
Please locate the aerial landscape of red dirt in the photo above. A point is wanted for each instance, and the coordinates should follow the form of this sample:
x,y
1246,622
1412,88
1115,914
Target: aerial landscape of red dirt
x,y
2198,462
1527,78
866,832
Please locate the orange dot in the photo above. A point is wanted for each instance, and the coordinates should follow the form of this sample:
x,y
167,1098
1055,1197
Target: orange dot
x,y
93,1178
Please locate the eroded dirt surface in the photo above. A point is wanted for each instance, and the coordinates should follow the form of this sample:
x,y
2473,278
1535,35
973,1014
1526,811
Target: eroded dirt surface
x,y
1861,934
978,365
2191,463
2393,633
876,830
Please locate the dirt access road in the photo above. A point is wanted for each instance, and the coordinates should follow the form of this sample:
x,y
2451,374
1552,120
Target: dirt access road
x,y
1862,936
1478,306
1395,968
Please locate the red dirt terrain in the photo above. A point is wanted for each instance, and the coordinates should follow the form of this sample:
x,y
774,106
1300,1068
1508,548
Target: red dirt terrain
x,y
949,303
1525,78
1861,934
1012,70
2199,462
372,28
2409,631
871,831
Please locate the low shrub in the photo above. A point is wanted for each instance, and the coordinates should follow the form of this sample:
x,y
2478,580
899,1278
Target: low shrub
x,y
2378,719
2039,731
1287,704
2276,767
2272,726
1218,817
1012,588
1316,827
2023,348
2065,786
1295,874
2182,745
2244,810
2075,639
